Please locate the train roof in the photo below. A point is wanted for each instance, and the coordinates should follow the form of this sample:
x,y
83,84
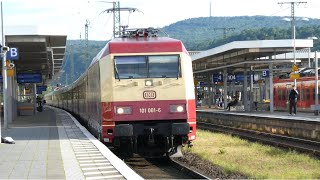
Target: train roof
x,y
140,45
145,45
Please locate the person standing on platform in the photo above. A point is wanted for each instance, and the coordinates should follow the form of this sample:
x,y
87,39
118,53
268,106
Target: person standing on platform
x,y
293,98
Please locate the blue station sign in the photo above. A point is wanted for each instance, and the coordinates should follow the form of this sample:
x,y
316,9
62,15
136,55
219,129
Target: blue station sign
x,y
40,89
265,73
29,78
230,78
202,83
13,54
217,77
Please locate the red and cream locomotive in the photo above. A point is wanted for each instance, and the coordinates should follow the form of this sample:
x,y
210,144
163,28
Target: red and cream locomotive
x,y
137,94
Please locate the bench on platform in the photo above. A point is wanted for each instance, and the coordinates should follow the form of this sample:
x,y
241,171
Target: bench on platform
x,y
263,106
239,106
25,109
315,107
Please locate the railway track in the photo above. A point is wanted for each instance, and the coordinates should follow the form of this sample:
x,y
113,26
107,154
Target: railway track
x,y
301,145
161,168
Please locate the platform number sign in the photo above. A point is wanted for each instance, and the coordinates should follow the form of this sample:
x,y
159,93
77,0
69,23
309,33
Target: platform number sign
x,y
231,77
13,54
265,73
217,77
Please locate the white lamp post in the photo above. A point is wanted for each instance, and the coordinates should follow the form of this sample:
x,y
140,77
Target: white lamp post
x,y
294,47
316,112
293,19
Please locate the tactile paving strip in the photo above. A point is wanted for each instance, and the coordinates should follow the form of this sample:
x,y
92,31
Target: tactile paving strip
x,y
76,148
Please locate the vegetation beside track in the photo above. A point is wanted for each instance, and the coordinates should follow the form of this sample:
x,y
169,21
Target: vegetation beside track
x,y
254,160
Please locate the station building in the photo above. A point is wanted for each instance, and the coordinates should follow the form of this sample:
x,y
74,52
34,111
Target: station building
x,y
245,69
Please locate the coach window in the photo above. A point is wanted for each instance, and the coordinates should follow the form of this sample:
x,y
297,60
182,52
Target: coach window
x,y
302,95
308,94
164,66
313,92
284,94
279,94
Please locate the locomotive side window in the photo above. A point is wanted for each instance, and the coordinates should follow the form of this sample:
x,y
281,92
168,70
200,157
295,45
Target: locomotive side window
x,y
137,67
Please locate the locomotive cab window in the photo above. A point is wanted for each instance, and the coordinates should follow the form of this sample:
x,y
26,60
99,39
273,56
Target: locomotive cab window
x,y
137,67
131,67
164,66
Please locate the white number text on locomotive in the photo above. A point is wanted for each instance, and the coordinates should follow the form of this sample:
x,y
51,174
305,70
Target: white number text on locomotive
x,y
150,110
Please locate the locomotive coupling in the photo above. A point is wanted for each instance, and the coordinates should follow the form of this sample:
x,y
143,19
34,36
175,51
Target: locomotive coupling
x,y
190,145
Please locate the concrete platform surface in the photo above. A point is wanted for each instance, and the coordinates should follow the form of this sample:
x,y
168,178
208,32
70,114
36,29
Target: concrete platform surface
x,y
53,145
305,116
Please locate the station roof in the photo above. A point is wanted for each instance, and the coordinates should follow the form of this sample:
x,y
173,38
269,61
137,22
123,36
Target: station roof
x,y
235,54
39,53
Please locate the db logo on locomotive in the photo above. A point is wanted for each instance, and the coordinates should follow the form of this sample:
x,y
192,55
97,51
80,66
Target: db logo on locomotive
x,y
149,94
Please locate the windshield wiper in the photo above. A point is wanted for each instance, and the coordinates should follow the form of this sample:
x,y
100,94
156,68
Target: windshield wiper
x,y
117,73
179,68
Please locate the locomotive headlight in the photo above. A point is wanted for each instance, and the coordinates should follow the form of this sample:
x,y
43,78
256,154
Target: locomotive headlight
x,y
148,83
120,110
177,108
180,108
123,110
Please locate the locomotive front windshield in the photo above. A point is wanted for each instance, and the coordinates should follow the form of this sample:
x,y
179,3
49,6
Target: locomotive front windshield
x,y
137,67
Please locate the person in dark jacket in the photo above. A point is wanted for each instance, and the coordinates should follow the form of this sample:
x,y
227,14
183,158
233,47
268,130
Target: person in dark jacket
x,y
293,98
39,101
233,102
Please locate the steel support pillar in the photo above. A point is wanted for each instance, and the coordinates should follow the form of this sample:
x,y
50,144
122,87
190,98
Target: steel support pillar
x,y
271,84
35,98
251,106
225,87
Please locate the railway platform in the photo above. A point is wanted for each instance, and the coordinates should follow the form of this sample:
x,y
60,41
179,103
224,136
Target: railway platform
x,y
276,114
302,125
53,145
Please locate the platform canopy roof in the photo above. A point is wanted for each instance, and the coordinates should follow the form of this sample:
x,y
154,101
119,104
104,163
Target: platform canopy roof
x,y
236,54
39,54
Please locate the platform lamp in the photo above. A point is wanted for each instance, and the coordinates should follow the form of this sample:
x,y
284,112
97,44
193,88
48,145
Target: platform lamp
x,y
309,50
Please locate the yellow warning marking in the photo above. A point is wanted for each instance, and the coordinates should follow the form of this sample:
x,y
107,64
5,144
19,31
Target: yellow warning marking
x,y
294,76
294,68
